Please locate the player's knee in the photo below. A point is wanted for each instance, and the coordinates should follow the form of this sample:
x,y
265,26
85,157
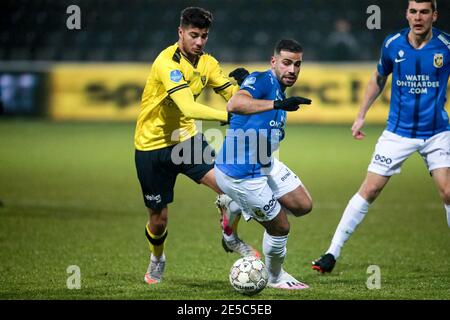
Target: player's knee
x,y
158,219
159,227
279,229
308,209
298,212
302,209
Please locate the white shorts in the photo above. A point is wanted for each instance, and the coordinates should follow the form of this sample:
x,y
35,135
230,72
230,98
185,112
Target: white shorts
x,y
258,197
392,150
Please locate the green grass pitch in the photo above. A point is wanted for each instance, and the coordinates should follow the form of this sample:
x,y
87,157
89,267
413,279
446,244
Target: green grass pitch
x,y
70,196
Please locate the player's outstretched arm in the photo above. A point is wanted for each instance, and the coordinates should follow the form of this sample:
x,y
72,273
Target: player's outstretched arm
x,y
168,72
243,103
374,88
194,110
291,103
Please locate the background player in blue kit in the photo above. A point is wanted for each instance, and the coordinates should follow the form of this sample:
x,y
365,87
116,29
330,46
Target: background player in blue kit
x,y
419,59
245,168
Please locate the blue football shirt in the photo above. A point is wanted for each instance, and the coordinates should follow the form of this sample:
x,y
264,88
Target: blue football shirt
x,y
251,139
419,84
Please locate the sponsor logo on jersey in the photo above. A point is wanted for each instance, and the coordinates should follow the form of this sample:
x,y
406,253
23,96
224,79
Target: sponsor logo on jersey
x,y
176,75
152,197
400,58
283,178
417,83
438,60
271,205
382,159
249,81
276,124
259,213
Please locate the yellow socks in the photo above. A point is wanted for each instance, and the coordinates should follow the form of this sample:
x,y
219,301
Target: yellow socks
x,y
156,242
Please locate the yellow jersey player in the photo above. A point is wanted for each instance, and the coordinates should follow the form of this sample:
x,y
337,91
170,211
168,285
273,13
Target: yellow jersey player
x,y
165,129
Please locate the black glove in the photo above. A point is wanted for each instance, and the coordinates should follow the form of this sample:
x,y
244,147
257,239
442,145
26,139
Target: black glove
x,y
230,115
239,75
290,104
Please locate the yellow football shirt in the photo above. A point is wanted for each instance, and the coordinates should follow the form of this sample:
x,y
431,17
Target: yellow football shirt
x,y
168,107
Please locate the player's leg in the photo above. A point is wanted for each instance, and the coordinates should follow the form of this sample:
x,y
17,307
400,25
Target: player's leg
x,y
442,178
157,181
298,201
274,249
230,214
156,233
156,230
289,190
258,202
209,180
274,242
435,152
390,153
354,214
201,171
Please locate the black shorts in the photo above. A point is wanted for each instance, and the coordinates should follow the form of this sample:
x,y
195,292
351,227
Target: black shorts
x,y
157,170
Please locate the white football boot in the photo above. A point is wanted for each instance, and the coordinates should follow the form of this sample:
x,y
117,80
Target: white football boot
x,y
286,281
229,222
155,269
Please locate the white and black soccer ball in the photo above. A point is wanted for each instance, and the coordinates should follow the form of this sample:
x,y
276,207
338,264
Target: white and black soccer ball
x,y
248,275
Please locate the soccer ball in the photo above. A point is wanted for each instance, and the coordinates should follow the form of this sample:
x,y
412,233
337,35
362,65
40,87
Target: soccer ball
x,y
248,275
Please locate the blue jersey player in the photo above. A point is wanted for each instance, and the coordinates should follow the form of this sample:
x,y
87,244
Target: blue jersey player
x,y
419,60
245,168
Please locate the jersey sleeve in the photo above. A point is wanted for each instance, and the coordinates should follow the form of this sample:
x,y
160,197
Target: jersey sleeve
x,y
219,82
445,40
257,84
171,77
385,65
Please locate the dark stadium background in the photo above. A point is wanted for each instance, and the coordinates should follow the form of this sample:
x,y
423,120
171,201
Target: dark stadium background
x,y
243,31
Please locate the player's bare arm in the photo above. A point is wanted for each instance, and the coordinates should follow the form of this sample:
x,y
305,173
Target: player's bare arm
x,y
243,103
373,90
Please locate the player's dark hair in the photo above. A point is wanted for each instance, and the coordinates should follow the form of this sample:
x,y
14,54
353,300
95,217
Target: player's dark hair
x,y
196,17
288,45
433,3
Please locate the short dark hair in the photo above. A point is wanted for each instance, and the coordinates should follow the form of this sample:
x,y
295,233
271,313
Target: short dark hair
x,y
288,45
433,3
196,17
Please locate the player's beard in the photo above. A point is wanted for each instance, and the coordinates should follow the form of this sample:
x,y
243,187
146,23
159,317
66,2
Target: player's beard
x,y
283,78
288,80
197,51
